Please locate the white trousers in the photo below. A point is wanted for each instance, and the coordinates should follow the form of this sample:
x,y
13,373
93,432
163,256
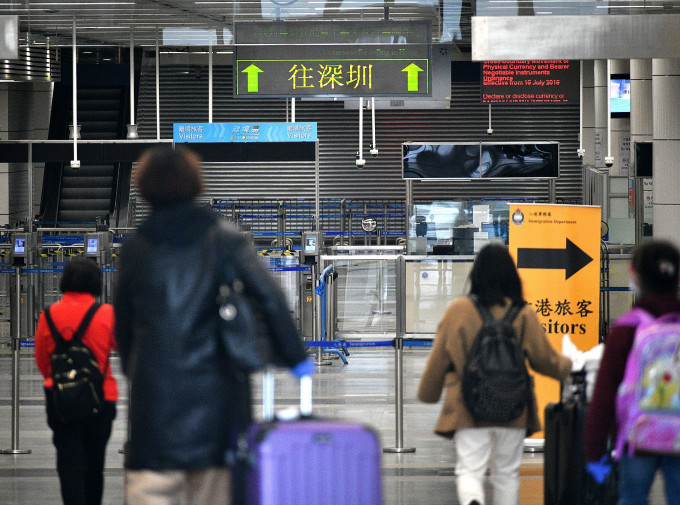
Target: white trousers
x,y
178,487
499,450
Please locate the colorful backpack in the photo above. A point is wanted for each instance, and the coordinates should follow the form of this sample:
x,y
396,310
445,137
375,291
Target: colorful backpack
x,y
648,399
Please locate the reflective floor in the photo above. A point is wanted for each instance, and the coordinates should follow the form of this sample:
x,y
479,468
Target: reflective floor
x,y
362,390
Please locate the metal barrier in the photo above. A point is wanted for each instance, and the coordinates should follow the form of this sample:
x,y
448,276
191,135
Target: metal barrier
x,y
398,343
277,221
385,282
15,378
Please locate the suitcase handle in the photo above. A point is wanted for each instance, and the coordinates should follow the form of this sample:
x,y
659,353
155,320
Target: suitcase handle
x,y
268,395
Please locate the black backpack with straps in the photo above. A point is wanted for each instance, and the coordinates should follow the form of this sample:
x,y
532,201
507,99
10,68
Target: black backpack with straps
x,y
78,384
496,383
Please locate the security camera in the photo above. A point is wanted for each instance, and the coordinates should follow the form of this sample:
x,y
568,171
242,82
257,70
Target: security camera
x,y
373,151
608,161
580,152
489,131
75,164
360,162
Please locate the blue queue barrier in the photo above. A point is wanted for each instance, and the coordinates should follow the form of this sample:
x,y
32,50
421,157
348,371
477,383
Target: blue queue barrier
x,y
320,290
343,345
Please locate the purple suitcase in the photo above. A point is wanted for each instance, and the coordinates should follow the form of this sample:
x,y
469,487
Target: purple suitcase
x,y
313,462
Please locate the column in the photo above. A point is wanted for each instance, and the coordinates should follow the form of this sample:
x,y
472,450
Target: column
x,y
588,114
600,97
666,136
28,118
641,130
619,128
4,167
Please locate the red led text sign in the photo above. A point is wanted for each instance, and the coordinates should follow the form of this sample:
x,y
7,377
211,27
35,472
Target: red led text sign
x,y
531,81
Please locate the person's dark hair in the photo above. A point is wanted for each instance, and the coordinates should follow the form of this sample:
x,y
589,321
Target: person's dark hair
x,y
657,264
81,275
166,176
494,277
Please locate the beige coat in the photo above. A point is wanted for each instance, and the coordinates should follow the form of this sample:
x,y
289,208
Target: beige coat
x,y
455,335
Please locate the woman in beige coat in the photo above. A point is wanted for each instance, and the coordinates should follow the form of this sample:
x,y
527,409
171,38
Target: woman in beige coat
x,y
496,284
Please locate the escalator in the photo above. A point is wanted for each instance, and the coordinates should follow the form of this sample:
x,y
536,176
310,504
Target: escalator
x,y
90,193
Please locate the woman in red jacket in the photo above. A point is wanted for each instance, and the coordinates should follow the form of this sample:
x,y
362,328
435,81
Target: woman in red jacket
x,y
80,445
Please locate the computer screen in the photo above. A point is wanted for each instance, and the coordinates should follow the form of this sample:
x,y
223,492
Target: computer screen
x,y
310,245
619,95
20,245
92,245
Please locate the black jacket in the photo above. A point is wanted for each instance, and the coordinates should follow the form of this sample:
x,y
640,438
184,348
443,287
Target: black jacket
x,y
186,403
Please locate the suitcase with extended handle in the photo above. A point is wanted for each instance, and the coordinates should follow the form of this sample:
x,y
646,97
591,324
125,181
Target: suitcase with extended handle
x,y
310,461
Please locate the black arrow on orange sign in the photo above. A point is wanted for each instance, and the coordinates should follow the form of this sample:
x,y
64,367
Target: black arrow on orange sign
x,y
572,259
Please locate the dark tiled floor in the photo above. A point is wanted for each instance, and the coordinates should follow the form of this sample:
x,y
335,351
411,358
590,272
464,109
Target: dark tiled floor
x,y
363,390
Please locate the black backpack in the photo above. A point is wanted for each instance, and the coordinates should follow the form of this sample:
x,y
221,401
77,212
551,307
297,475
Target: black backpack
x,y
78,384
496,383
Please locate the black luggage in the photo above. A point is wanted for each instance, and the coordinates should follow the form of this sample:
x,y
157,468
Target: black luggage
x,y
564,470
565,479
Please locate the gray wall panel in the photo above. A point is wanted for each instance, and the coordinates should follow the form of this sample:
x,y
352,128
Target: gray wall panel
x,y
183,97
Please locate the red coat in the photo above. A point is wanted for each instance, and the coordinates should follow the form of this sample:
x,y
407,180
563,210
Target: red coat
x,y
99,337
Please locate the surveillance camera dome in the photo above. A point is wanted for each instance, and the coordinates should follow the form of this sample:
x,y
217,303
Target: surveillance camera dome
x,y
609,161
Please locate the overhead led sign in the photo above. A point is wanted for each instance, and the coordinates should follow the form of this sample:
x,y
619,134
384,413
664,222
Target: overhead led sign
x,y
534,81
332,59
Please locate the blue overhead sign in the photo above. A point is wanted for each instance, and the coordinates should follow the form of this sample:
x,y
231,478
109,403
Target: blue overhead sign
x,y
244,132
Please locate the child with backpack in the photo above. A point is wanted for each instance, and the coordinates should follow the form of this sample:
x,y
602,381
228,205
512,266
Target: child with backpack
x,y
490,405
636,401
73,340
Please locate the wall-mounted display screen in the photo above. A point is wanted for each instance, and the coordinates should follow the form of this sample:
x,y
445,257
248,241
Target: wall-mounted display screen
x,y
310,244
643,159
92,245
20,245
480,160
534,81
619,95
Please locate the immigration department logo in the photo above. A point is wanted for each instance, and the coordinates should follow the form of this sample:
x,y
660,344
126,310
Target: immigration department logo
x,y
517,217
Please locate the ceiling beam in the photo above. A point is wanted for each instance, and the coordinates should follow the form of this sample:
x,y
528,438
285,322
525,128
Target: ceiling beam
x,y
575,37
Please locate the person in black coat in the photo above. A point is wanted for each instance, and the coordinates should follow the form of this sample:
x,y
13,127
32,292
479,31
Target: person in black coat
x,y
187,404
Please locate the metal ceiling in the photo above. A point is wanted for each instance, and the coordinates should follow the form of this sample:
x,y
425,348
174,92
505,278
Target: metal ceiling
x,y
111,22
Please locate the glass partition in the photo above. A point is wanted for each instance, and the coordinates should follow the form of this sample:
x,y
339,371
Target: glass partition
x,y
366,300
365,292
431,283
459,228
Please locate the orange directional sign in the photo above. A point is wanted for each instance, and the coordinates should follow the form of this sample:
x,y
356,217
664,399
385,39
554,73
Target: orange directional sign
x,y
557,252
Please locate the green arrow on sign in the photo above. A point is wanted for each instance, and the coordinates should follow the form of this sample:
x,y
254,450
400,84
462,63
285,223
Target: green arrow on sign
x,y
253,78
412,70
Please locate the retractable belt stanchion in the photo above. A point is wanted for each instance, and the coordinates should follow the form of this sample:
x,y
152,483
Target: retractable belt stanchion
x,y
18,253
399,402
399,360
